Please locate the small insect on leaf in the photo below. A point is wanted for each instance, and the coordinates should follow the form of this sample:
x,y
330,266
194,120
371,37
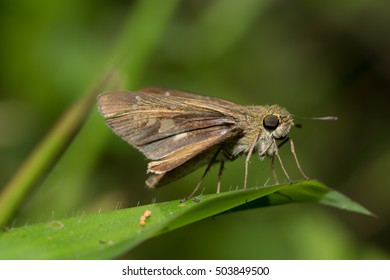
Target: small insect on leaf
x,y
180,132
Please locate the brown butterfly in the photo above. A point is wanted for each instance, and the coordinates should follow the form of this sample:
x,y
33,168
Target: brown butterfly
x,y
181,131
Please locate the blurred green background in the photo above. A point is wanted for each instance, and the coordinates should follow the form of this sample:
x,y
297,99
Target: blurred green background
x,y
314,58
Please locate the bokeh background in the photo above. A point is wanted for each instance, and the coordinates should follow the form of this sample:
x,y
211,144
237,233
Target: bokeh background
x,y
315,58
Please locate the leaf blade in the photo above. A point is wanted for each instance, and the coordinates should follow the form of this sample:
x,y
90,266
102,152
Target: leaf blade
x,y
107,235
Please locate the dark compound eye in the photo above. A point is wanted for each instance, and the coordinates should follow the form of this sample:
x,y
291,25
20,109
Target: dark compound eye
x,y
271,122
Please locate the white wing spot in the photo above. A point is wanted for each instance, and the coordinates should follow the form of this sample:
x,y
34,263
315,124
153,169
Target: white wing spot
x,y
166,124
167,93
179,136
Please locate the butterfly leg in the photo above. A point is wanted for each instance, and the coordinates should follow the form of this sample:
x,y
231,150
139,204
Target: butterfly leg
x,y
296,160
273,170
280,160
252,147
212,161
221,166
273,161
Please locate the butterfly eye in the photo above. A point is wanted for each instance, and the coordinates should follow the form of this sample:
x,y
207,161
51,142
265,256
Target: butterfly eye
x,y
271,122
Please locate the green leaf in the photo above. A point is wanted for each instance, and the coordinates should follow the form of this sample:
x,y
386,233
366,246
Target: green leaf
x,y
107,235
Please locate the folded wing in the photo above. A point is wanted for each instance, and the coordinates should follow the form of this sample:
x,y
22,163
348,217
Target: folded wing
x,y
169,128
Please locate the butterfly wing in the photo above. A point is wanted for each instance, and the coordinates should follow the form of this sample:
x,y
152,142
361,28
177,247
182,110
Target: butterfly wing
x,y
169,129
186,94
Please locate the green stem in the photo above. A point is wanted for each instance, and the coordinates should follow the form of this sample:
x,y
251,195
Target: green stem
x,y
140,34
43,157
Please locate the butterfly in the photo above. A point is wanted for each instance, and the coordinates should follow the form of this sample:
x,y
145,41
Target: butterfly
x,y
179,131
